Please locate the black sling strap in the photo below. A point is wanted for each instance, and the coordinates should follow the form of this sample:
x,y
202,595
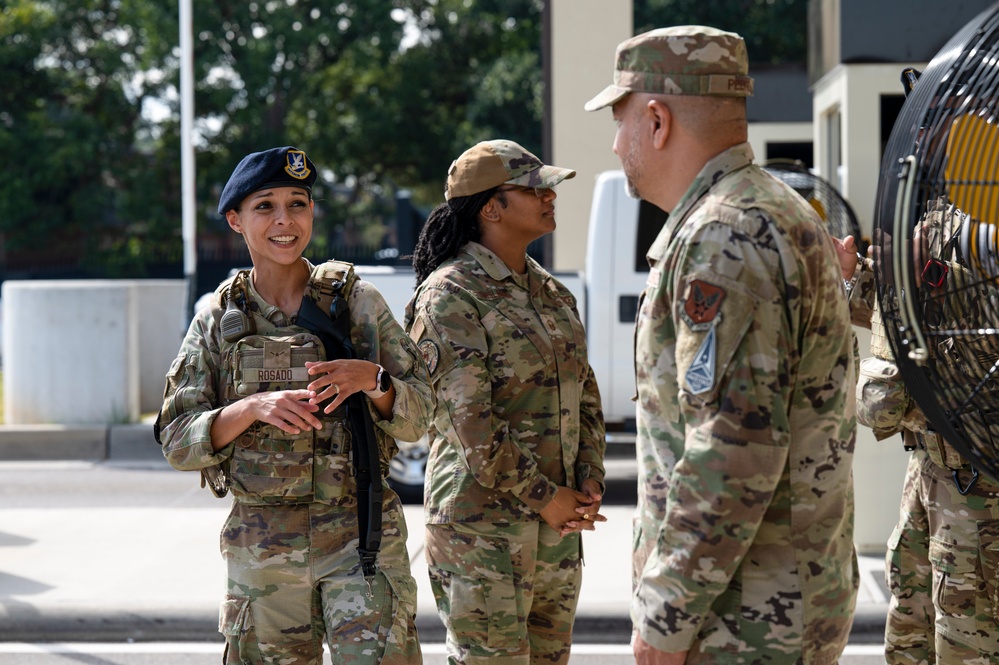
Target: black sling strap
x,y
334,332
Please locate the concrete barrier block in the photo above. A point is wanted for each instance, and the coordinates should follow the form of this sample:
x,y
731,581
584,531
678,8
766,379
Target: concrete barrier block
x,y
70,352
52,442
161,323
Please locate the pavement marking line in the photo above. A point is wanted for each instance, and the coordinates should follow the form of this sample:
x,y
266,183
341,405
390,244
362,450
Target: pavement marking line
x,y
111,647
212,647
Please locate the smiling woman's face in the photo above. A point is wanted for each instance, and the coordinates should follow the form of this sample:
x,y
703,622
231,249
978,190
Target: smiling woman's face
x,y
276,224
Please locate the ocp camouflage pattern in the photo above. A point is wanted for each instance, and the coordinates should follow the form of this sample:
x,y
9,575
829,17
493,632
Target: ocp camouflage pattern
x,y
942,568
470,566
700,61
197,379
518,409
518,414
291,552
294,580
746,428
942,563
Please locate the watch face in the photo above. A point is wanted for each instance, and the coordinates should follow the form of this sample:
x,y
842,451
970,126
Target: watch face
x,y
384,380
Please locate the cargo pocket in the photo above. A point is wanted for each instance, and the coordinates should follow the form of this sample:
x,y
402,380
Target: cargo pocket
x,y
893,575
402,618
476,574
236,624
882,400
955,579
988,539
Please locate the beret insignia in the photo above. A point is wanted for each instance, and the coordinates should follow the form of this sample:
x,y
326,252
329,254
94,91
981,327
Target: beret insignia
x,y
296,167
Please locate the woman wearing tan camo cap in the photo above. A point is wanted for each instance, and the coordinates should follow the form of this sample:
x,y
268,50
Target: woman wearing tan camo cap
x,y
516,464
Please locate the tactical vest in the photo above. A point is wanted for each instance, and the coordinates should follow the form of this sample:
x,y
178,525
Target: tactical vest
x,y
269,465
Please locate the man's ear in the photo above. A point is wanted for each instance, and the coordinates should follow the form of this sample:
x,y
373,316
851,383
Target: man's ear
x,y
660,119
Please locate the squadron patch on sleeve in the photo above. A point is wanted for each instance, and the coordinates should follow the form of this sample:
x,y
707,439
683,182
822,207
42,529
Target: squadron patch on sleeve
x,y
431,354
702,305
701,373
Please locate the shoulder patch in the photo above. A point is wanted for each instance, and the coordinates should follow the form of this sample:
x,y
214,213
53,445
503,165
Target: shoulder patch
x,y
431,354
701,374
702,305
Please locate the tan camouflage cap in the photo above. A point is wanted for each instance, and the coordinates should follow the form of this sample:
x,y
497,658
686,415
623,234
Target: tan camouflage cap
x,y
500,162
682,60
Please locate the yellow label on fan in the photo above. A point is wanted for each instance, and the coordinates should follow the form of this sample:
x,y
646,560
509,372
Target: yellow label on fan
x,y
972,167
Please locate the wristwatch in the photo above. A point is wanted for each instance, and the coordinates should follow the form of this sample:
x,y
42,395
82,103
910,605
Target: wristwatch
x,y
383,381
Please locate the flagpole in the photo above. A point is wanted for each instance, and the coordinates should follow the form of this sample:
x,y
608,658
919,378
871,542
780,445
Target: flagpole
x,y
187,165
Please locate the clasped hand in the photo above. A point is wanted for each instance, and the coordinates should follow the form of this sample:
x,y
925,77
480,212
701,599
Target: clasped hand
x,y
571,511
296,411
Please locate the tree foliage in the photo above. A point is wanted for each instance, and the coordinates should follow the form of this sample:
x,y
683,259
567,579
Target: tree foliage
x,y
71,94
775,30
383,94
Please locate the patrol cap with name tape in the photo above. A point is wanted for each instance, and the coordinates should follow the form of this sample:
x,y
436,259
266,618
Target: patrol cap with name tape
x,y
499,162
277,167
680,60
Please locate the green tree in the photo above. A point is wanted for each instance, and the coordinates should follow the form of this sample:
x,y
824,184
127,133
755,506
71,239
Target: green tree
x,y
775,31
382,93
72,87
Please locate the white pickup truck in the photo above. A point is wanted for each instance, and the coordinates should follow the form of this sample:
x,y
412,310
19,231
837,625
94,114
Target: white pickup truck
x,y
620,232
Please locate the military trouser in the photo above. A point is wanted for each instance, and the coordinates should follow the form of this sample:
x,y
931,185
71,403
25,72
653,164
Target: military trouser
x,y
942,568
506,593
294,578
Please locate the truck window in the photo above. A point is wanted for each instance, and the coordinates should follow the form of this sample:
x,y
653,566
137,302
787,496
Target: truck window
x,y
650,221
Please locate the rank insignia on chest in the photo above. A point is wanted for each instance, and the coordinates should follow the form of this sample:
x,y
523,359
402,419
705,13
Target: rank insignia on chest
x,y
702,306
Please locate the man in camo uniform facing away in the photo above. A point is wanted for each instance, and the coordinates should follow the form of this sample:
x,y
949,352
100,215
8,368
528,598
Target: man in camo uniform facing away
x,y
745,376
516,462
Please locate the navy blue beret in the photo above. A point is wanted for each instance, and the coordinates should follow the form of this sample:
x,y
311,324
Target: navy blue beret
x,y
277,167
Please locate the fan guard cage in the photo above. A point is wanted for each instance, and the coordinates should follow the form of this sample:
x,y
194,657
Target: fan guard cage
x,y
935,240
830,205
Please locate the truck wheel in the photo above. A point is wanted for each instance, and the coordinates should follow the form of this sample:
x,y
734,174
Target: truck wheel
x,y
407,471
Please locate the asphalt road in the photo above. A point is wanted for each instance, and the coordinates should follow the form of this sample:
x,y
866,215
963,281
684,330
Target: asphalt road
x,y
151,483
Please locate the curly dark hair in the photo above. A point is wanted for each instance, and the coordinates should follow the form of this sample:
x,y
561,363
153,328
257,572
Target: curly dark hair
x,y
447,229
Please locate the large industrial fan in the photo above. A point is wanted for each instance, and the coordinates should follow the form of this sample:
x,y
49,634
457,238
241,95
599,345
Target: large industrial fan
x,y
935,241
832,208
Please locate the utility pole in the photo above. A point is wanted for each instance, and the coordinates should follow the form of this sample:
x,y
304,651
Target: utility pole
x,y
189,224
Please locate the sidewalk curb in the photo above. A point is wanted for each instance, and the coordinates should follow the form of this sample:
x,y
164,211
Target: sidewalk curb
x,y
83,624
34,443
48,442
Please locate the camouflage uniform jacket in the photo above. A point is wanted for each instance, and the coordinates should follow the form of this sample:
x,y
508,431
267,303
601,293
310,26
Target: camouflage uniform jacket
x,y
518,410
194,383
746,427
883,401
